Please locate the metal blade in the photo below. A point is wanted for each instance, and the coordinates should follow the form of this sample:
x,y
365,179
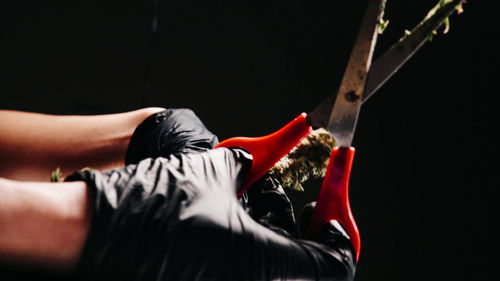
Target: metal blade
x,y
319,116
344,115
388,64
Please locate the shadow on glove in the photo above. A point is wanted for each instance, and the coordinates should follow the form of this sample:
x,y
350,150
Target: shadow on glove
x,y
333,234
178,218
169,132
267,203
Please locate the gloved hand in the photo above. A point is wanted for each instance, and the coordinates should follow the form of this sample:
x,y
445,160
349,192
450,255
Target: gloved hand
x,y
267,203
178,218
169,132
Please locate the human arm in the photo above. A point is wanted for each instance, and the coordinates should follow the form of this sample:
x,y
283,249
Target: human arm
x,y
43,224
32,145
177,218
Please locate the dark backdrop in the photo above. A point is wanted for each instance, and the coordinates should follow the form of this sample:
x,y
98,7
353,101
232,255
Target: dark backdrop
x,y
422,178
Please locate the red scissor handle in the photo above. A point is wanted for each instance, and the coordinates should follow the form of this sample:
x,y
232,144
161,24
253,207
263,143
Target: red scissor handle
x,y
268,150
333,198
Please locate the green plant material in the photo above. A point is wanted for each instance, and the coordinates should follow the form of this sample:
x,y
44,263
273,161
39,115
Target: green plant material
x,y
446,21
56,175
382,25
431,36
307,161
446,25
438,6
433,11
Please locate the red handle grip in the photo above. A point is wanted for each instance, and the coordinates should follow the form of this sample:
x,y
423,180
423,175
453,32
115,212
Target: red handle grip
x,y
333,198
268,150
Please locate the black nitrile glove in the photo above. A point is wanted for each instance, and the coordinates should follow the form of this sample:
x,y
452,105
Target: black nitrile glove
x,y
267,203
305,216
333,234
178,218
169,132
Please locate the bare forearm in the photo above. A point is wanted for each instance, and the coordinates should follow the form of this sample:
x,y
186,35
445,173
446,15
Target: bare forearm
x,y
32,144
43,224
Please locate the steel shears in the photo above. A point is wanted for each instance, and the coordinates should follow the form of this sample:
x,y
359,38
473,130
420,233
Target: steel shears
x,y
338,114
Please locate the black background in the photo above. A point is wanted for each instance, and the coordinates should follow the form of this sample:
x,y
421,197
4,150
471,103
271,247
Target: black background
x,y
422,182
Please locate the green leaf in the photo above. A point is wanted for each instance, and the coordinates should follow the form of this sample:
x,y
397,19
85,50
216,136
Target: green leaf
x,y
382,25
446,25
56,175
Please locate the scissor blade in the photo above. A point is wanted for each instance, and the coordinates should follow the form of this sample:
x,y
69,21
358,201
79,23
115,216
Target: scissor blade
x,y
344,115
319,116
390,62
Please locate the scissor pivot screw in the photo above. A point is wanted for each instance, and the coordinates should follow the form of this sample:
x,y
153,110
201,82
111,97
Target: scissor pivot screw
x,y
351,96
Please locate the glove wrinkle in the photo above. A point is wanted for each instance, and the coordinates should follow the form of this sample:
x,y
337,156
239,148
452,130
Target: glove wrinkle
x,y
169,132
173,214
171,219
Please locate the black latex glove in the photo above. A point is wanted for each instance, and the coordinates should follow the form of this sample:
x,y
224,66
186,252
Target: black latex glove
x,y
178,218
267,203
169,132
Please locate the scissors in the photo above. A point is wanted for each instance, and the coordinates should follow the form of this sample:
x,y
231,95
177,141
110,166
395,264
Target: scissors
x,y
338,114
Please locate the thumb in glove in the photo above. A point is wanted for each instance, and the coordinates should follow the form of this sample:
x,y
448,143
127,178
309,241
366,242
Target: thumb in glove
x,y
333,234
267,203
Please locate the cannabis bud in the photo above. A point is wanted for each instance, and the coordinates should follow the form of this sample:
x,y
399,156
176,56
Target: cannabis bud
x,y
306,161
